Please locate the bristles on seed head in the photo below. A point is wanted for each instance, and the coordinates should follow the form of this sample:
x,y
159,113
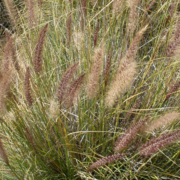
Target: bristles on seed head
x,y
96,33
27,87
122,80
78,38
11,11
129,134
162,141
54,108
107,69
164,120
132,21
31,14
4,86
64,84
173,46
106,160
30,139
172,90
69,22
38,50
118,6
126,72
8,56
93,82
130,55
73,91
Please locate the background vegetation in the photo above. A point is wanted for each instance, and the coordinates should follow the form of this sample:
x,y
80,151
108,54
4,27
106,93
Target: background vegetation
x,y
83,80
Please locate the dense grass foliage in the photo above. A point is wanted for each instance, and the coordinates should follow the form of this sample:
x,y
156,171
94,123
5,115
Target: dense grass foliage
x,y
90,90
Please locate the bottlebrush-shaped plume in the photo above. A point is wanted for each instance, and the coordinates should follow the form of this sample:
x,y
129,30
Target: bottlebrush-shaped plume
x,y
162,141
122,80
7,35
31,15
172,90
69,22
64,84
118,6
107,69
8,53
9,57
125,73
14,59
11,11
27,87
54,108
30,139
73,91
129,134
173,46
104,161
93,82
3,153
164,120
4,85
133,16
96,33
38,50
131,53
78,39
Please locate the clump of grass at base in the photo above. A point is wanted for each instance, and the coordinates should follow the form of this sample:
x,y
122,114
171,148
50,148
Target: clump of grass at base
x,y
87,79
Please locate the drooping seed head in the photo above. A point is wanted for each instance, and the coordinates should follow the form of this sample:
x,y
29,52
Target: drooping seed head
x,y
104,161
162,141
127,137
